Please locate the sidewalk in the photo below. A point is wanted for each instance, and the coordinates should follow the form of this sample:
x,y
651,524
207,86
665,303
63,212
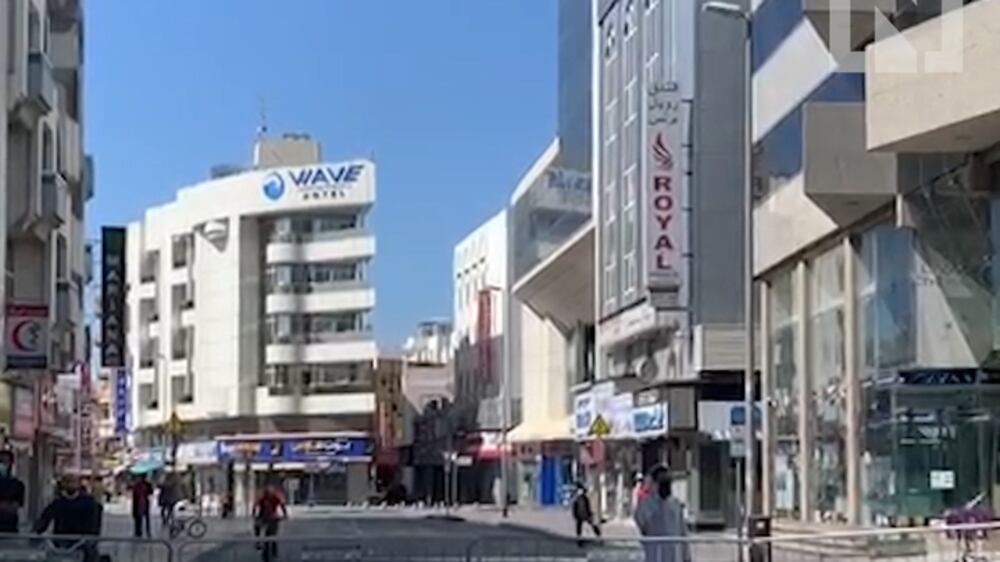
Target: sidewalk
x,y
551,521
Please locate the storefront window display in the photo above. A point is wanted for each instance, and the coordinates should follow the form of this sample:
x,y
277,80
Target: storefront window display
x,y
785,393
827,388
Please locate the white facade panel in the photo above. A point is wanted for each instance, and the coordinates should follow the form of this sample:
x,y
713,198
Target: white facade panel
x,y
347,248
323,301
318,404
800,64
330,352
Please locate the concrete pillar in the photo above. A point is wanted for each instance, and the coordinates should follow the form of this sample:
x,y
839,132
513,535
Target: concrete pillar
x,y
854,425
767,413
804,374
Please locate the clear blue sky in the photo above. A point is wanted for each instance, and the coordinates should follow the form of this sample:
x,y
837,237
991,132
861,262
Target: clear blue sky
x,y
455,98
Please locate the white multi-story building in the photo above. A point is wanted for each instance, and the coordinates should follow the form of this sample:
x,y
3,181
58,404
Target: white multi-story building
x,y
431,344
45,181
250,312
480,292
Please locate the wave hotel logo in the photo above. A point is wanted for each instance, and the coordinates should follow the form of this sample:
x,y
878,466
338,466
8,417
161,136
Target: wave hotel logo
x,y
274,186
313,182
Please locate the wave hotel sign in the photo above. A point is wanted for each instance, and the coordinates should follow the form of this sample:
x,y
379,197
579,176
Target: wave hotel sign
x,y
316,182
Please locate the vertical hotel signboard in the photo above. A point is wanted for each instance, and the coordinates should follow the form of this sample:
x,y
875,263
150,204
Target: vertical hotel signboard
x,y
664,186
112,297
121,402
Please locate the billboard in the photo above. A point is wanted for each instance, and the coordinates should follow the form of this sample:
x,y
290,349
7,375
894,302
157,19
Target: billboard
x,y
664,192
112,296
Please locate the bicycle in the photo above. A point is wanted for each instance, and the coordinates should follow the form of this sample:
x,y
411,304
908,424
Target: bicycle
x,y
969,541
268,547
182,521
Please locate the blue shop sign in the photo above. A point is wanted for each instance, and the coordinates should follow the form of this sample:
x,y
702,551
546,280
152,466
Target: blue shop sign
x,y
295,450
650,420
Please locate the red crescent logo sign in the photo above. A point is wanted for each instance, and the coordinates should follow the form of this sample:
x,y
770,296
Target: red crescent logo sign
x,y
17,335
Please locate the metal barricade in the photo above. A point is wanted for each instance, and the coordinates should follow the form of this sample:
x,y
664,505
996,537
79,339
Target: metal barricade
x,y
460,548
957,543
699,548
48,548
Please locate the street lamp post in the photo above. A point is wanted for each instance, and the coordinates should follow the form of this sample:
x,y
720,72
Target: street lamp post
x,y
735,11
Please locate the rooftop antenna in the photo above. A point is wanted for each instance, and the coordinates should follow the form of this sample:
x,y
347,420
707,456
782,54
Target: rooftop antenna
x,y
262,127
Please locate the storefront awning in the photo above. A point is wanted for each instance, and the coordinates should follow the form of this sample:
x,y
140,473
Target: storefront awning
x,y
549,430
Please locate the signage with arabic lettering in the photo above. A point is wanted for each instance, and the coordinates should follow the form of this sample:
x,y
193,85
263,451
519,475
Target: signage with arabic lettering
x,y
296,450
664,190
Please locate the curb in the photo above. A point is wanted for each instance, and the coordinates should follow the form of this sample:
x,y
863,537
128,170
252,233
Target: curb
x,y
451,518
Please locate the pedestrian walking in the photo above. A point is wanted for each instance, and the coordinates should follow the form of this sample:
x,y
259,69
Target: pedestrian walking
x,y
11,494
660,518
168,498
75,513
583,514
268,511
141,492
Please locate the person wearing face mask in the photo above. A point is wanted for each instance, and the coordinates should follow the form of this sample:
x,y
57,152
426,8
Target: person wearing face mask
x,y
73,512
661,516
11,494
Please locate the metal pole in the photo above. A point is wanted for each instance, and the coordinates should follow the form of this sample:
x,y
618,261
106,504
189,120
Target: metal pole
x,y
505,392
750,464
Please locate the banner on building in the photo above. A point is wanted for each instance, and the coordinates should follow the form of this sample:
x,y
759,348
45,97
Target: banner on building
x,y
121,402
664,187
320,449
27,336
113,296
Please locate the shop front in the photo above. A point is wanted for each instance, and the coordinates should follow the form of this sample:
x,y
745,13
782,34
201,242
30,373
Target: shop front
x,y
202,475
313,469
608,453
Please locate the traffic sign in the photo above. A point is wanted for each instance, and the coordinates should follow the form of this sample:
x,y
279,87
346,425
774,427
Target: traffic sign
x,y
600,428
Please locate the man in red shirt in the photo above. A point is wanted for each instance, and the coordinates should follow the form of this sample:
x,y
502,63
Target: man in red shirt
x,y
141,491
268,511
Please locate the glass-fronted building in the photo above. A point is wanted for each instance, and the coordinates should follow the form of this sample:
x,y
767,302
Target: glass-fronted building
x,y
878,289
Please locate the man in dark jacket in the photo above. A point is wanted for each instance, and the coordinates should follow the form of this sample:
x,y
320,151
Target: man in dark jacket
x,y
583,513
11,494
72,513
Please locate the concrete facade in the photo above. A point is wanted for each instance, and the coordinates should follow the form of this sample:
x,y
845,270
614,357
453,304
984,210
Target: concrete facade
x,y
45,182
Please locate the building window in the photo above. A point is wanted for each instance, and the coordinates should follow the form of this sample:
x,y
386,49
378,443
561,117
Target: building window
x,y
630,233
149,266
182,250
783,336
828,388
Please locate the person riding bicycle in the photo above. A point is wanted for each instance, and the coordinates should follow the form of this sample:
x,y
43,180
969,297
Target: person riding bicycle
x,y
268,511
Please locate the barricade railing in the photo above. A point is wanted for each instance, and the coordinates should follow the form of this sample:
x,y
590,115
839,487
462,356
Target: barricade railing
x,y
956,543
66,548
951,543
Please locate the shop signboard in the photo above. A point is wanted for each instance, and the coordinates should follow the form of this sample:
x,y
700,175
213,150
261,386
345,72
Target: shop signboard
x,y
583,414
649,420
664,197
197,453
295,449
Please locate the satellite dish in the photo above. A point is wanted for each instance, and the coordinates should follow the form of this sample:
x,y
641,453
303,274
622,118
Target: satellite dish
x,y
646,368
